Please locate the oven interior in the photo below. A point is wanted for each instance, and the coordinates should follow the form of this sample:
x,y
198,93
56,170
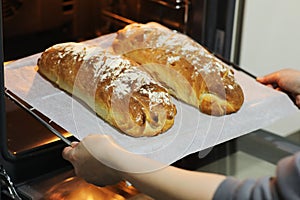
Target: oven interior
x,y
31,163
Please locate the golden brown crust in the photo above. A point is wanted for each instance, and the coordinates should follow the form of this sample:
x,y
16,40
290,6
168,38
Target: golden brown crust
x,y
119,92
188,70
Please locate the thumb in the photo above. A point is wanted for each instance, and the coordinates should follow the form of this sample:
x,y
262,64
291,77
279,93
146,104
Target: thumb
x,y
297,99
68,151
268,79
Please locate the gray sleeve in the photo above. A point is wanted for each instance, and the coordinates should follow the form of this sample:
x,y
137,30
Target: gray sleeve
x,y
284,186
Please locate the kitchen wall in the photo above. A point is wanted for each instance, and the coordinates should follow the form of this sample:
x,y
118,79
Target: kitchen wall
x,y
271,41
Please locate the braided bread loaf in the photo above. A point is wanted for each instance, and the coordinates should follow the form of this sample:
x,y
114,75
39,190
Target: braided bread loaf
x,y
183,66
118,91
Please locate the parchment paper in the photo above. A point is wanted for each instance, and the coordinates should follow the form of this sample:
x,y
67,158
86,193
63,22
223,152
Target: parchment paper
x,y
192,130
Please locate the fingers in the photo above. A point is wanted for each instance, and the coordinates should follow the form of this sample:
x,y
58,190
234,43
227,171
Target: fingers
x,y
74,144
67,151
273,86
90,142
269,79
297,99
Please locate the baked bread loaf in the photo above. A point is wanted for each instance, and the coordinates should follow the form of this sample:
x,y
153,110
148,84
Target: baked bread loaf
x,y
118,91
183,66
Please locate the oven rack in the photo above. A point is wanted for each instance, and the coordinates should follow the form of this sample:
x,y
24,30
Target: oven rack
x,y
167,4
45,121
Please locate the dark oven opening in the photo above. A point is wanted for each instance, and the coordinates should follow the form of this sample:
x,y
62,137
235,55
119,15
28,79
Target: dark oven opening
x,y
30,152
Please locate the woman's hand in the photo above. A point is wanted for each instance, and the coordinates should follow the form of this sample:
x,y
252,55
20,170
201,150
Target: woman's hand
x,y
148,176
89,167
286,80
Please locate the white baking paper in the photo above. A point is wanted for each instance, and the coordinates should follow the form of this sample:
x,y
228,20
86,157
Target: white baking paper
x,y
192,130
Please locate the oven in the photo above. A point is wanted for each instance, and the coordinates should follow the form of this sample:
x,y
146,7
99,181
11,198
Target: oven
x,y
31,163
211,23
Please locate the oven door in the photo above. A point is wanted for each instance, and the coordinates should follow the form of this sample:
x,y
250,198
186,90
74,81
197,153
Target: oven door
x,y
253,155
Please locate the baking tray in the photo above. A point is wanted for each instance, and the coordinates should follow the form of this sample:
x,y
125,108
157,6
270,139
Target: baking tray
x,y
191,132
